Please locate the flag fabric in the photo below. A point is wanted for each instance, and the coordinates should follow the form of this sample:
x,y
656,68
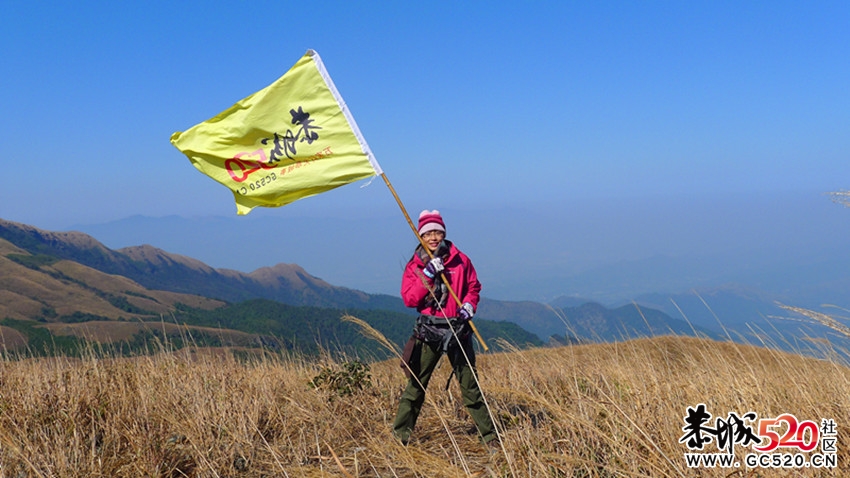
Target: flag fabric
x,y
293,139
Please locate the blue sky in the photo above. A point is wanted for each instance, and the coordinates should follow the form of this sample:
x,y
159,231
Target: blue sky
x,y
472,106
467,102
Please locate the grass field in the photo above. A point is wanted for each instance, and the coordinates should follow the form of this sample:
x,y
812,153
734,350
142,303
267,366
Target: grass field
x,y
589,410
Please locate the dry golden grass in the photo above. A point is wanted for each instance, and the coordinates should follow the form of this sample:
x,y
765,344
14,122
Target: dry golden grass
x,y
590,410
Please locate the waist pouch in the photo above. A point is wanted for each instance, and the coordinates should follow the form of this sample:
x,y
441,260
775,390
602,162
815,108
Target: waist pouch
x,y
434,330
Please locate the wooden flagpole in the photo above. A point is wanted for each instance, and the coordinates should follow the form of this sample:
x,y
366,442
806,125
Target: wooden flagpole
x,y
431,255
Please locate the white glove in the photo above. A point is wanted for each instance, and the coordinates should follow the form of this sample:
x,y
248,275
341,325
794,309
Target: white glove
x,y
433,267
466,312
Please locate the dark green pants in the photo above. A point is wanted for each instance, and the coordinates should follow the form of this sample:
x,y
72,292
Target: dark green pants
x,y
414,395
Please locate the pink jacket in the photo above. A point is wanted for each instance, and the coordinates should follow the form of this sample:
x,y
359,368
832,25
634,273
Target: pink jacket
x,y
458,272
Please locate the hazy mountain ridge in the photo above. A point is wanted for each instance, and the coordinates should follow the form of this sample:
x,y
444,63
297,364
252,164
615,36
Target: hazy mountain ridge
x,y
789,244
150,267
38,287
52,302
730,311
157,269
744,314
590,321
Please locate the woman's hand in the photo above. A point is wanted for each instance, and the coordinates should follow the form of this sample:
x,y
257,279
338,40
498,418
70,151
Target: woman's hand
x,y
433,267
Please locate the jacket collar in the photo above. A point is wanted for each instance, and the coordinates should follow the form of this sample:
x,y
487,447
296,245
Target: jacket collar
x,y
445,250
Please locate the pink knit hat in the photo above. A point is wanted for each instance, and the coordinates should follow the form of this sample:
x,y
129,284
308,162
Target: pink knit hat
x,y
431,221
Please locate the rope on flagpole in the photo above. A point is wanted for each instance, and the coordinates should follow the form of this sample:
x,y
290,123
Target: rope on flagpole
x,y
431,255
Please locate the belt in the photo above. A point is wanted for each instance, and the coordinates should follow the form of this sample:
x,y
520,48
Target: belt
x,y
436,321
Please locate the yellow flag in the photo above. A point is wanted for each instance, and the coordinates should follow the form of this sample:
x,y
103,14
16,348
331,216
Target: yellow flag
x,y
293,139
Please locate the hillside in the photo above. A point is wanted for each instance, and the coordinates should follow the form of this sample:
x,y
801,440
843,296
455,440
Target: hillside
x,y
71,277
50,289
589,321
748,315
598,410
155,269
158,270
52,304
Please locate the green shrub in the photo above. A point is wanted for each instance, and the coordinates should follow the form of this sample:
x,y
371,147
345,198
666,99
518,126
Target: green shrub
x,y
343,379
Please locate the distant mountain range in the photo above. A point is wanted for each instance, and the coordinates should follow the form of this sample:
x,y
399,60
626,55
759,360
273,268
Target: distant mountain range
x,y
59,279
156,269
746,314
67,284
789,244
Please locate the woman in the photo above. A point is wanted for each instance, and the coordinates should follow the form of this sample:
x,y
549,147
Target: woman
x,y
442,325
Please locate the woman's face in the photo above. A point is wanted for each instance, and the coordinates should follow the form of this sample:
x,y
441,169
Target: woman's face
x,y
433,239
